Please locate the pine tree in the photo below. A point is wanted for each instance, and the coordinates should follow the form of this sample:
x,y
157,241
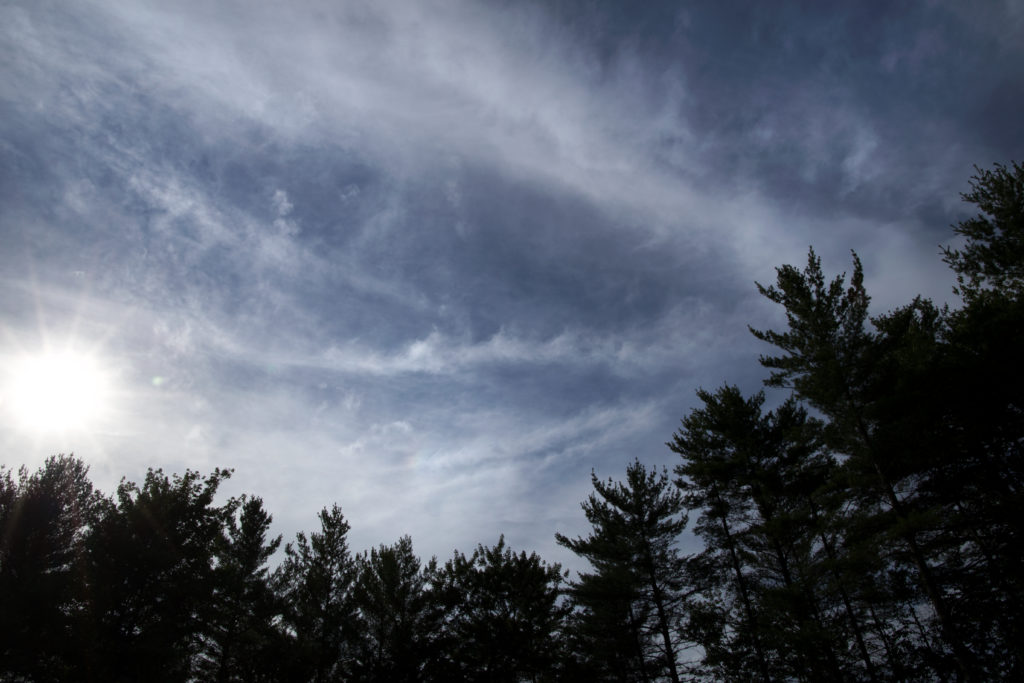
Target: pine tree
x,y
398,618
244,643
609,630
634,599
315,582
503,619
44,520
864,382
980,477
151,576
992,259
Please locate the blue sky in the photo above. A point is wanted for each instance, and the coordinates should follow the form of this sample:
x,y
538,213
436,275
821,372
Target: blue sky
x,y
436,261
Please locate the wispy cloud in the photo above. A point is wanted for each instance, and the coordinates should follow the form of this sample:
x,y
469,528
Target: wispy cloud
x,y
465,251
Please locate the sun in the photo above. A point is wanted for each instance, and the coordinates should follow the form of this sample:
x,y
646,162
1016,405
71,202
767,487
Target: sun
x,y
58,391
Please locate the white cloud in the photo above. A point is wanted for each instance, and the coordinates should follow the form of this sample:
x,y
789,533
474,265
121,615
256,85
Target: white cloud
x,y
320,409
281,203
411,81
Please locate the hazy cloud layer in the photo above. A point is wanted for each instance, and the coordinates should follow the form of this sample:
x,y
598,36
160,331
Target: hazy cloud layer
x,y
438,260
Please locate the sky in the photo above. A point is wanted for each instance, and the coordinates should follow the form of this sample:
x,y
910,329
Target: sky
x,y
438,261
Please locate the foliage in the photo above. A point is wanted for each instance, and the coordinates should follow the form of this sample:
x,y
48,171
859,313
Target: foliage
x,y
244,643
992,260
45,519
399,618
503,615
315,584
152,569
631,608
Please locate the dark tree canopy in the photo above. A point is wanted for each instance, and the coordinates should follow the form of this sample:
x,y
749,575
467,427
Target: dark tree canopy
x,y
399,617
315,583
45,521
244,642
992,259
633,602
152,568
503,615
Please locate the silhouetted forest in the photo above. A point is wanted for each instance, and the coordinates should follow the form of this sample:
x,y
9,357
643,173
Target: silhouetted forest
x,y
865,529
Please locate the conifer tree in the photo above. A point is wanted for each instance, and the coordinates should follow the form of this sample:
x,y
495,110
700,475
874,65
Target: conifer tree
x,y
244,643
314,582
634,600
151,567
757,480
980,476
503,619
398,618
991,261
709,478
864,382
45,518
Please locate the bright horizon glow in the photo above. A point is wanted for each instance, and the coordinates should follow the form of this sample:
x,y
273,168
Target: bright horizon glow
x,y
58,391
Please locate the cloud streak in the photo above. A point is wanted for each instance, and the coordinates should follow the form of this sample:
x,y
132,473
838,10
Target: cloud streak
x,y
465,252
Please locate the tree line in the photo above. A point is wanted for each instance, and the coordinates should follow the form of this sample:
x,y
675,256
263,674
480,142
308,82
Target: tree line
x,y
161,583
865,528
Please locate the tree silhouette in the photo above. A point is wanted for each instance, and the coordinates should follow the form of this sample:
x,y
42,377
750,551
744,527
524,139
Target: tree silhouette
x,y
44,520
633,602
244,643
152,576
315,583
863,382
502,614
992,260
398,619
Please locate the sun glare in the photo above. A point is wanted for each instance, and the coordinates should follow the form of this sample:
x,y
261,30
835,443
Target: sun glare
x,y
58,391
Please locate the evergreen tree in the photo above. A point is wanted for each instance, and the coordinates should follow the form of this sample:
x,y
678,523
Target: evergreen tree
x,y
865,383
244,643
758,480
152,580
980,477
924,405
632,604
608,632
315,582
503,618
44,520
992,259
710,480
398,617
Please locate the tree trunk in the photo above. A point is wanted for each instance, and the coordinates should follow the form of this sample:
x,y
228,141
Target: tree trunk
x,y
659,603
741,584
